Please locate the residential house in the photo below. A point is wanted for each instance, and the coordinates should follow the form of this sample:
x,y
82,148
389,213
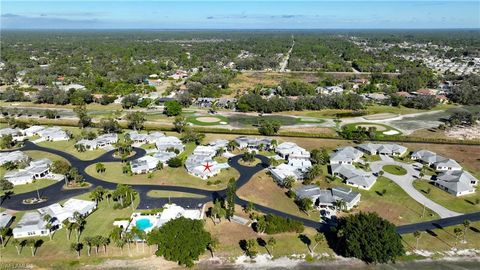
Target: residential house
x,y
5,219
15,157
252,143
168,143
144,164
383,149
282,171
16,133
353,176
31,224
99,142
61,213
201,163
458,183
53,134
143,138
329,198
164,156
345,155
37,169
438,162
329,90
32,131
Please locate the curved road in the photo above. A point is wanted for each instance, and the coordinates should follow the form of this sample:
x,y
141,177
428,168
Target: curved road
x,y
56,192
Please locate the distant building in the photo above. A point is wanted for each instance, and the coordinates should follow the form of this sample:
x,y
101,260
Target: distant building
x,y
252,143
383,149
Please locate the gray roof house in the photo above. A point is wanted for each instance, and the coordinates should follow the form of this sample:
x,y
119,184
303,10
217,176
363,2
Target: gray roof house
x,y
345,155
353,176
169,142
440,163
323,198
196,162
383,149
31,224
99,142
144,164
458,183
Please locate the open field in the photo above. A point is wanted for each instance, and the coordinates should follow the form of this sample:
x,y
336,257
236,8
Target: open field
x,y
463,204
230,233
444,239
171,194
167,176
260,185
57,254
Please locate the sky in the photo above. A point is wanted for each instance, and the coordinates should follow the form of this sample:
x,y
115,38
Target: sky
x,y
339,14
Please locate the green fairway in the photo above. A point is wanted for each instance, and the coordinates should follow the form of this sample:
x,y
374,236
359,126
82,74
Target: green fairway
x,y
208,120
394,169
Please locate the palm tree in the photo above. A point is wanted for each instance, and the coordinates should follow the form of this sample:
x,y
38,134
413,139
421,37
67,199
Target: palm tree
x,y
417,235
4,232
466,225
89,242
69,226
341,204
135,232
213,245
105,241
80,224
97,194
128,237
271,242
31,243
458,233
100,168
47,218
232,145
319,238
288,182
120,243
77,247
16,243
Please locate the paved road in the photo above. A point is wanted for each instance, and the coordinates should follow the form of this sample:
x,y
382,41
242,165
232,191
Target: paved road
x,y
406,183
56,192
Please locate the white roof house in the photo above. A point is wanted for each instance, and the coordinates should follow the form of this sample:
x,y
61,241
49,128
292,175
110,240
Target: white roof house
x,y
217,144
67,211
173,211
33,130
143,138
53,134
15,156
383,149
282,171
164,156
31,224
447,165
37,169
353,176
290,150
5,219
99,142
327,90
323,198
83,207
16,133
144,164
345,155
252,142
458,183
169,142
196,163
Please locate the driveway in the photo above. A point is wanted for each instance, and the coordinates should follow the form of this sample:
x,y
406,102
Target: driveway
x,y
406,183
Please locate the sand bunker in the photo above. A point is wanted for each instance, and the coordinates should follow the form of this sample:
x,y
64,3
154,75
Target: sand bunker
x,y
380,116
378,127
207,119
391,132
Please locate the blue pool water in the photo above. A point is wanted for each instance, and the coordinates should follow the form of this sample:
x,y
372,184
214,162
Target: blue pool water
x,y
143,224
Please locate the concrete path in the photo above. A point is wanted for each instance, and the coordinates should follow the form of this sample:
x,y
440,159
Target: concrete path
x,y
406,183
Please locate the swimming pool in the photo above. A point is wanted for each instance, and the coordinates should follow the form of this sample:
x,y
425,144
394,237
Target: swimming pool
x,y
143,224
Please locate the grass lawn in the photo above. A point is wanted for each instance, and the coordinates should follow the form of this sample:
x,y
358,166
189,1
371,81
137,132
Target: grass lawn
x,y
395,205
394,169
57,254
172,194
69,147
262,184
167,176
443,239
34,154
248,120
463,204
249,163
193,119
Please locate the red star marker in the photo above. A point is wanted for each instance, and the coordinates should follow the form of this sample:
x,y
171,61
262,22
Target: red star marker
x,y
207,167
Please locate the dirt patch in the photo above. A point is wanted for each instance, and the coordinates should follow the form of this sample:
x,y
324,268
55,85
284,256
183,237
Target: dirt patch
x,y
464,133
208,119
